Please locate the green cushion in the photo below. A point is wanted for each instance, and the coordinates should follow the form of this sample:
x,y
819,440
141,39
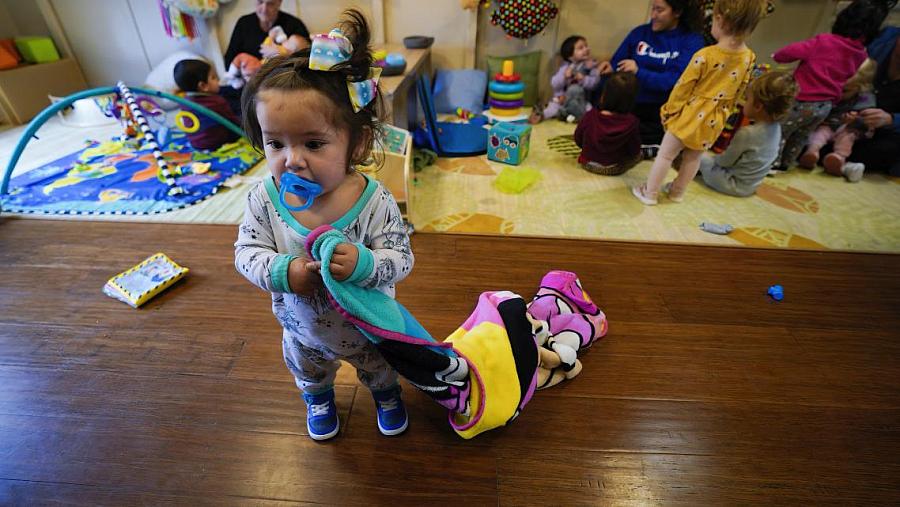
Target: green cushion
x,y
527,65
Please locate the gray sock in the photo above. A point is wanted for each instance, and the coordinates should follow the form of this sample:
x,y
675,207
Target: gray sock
x,y
716,228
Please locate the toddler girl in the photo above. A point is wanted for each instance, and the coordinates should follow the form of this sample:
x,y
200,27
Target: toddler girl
x,y
827,61
744,164
843,126
696,111
576,78
314,113
608,135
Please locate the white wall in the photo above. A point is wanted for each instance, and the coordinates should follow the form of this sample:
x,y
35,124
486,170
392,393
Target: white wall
x,y
156,44
792,21
25,16
452,27
7,27
105,40
122,39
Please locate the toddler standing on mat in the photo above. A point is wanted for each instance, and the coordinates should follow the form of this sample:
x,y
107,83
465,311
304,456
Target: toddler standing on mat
x,y
696,111
314,114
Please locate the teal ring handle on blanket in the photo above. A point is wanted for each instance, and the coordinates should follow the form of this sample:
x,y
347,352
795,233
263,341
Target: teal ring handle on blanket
x,y
306,190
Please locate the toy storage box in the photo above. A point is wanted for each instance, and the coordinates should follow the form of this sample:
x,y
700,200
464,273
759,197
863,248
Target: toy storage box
x,y
24,90
508,142
37,49
396,172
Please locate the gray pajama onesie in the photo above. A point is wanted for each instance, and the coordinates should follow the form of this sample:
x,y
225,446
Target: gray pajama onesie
x,y
315,335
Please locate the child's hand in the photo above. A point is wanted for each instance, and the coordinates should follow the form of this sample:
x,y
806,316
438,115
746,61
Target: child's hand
x,y
269,50
876,118
590,63
849,117
605,68
343,261
628,66
301,279
569,71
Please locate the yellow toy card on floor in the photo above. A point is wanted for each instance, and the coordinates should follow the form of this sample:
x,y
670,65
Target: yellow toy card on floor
x,y
137,285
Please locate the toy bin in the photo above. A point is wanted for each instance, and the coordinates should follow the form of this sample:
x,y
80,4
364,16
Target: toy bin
x,y
37,49
395,149
508,142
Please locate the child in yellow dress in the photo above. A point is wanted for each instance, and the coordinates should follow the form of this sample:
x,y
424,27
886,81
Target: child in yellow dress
x,y
705,93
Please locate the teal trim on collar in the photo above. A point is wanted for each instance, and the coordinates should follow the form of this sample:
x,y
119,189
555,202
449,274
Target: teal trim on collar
x,y
342,222
280,272
365,264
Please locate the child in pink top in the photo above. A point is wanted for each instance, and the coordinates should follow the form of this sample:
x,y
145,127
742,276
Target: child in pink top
x,y
827,61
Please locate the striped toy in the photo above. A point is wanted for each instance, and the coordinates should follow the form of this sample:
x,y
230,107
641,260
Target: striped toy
x,y
150,139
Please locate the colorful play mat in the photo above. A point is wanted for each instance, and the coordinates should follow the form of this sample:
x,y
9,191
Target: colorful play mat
x,y
121,177
798,209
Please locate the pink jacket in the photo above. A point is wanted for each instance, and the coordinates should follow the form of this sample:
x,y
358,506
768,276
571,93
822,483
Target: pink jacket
x,y
827,61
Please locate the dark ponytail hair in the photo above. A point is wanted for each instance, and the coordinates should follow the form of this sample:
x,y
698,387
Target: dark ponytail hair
x,y
619,93
292,72
568,46
861,20
691,18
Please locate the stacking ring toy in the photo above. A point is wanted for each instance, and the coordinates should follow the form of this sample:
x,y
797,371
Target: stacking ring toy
x,y
506,87
181,119
506,96
507,104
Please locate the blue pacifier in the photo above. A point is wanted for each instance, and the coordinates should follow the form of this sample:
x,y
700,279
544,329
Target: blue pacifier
x,y
306,190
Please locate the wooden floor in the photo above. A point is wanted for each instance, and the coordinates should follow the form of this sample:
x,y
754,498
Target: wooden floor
x,y
704,392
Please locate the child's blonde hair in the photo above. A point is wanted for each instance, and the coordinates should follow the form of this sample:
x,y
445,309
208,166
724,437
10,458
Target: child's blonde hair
x,y
775,92
740,17
863,80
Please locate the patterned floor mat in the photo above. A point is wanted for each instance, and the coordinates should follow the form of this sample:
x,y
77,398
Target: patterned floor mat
x,y
117,178
798,209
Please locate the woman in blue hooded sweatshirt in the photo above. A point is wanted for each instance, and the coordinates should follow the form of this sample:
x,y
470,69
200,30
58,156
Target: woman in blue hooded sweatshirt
x,y
657,53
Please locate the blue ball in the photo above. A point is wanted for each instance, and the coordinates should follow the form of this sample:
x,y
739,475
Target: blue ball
x,y
395,59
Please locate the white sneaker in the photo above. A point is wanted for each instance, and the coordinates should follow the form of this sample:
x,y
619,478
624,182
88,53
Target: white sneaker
x,y
570,118
640,192
853,171
674,197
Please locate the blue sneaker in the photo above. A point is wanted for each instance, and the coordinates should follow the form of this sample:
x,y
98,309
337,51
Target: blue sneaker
x,y
392,418
321,415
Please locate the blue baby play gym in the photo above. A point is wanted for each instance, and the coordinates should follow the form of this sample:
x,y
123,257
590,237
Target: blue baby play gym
x,y
151,168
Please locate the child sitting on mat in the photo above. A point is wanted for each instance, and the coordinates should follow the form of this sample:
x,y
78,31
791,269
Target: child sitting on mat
x,y
314,113
572,84
608,135
200,82
744,164
827,62
844,127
